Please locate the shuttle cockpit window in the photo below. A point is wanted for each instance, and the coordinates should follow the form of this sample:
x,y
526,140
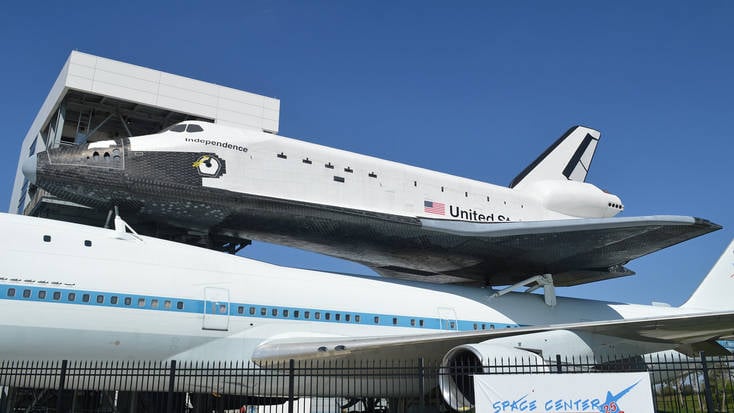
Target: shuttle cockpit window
x,y
194,128
181,127
184,127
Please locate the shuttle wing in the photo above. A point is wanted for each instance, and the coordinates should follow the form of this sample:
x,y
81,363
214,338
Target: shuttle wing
x,y
688,332
574,251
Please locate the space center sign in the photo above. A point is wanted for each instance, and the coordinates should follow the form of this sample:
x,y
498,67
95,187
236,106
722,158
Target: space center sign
x,y
563,393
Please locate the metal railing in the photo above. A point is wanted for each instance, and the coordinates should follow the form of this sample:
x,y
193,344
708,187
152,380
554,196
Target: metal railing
x,y
680,384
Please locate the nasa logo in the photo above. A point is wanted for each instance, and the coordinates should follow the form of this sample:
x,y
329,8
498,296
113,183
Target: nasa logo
x,y
209,166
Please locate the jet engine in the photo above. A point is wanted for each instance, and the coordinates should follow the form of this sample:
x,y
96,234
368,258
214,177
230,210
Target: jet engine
x,y
460,364
522,354
577,199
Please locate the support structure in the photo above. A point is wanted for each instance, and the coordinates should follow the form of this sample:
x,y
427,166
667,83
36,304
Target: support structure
x,y
545,281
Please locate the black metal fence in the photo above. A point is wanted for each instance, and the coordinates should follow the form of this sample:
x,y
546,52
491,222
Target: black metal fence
x,y
680,384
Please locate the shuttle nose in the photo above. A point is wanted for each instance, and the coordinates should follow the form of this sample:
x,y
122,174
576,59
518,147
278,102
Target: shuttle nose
x,y
29,168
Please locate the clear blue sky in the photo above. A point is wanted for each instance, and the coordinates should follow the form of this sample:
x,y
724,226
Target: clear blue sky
x,y
476,89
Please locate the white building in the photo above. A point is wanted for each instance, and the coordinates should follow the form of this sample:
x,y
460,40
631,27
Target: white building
x,y
95,98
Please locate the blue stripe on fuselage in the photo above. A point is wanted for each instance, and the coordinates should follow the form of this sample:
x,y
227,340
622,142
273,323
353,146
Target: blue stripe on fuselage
x,y
56,294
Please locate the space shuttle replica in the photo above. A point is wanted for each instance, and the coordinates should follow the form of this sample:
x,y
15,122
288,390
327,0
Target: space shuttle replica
x,y
547,227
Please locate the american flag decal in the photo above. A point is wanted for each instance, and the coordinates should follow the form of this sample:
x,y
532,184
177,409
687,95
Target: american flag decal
x,y
434,207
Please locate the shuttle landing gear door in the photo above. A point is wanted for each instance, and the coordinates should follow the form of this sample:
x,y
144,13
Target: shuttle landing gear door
x,y
216,309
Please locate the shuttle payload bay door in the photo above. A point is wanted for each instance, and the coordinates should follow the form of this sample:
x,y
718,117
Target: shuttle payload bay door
x,y
216,309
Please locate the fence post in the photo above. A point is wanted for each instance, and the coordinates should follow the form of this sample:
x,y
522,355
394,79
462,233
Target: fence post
x,y
171,380
62,382
558,364
291,384
422,384
707,384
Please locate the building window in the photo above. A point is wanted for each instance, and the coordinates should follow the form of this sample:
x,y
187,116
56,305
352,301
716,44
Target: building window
x,y
32,148
21,201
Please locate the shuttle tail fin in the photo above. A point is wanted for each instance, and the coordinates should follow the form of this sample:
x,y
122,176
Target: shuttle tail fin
x,y
715,291
569,158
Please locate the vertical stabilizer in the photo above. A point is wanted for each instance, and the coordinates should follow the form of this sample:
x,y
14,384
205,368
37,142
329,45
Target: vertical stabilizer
x,y
569,158
715,291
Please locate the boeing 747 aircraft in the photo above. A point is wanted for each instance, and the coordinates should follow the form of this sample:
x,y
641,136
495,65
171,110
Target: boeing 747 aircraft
x,y
69,291
400,220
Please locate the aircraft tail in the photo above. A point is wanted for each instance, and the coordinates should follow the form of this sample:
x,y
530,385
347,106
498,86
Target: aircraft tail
x,y
569,158
715,291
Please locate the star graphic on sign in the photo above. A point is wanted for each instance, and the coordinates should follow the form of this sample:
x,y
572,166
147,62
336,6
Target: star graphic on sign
x,y
611,405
